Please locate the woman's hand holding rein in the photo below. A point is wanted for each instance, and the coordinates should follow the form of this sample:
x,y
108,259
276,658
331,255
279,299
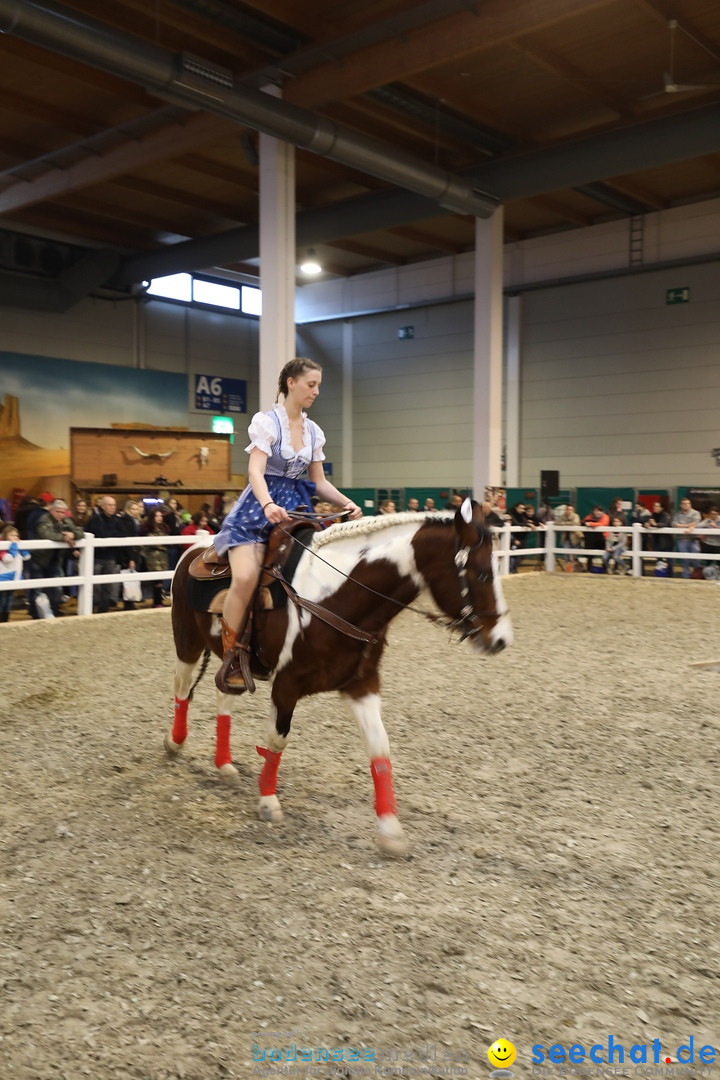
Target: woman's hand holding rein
x,y
274,513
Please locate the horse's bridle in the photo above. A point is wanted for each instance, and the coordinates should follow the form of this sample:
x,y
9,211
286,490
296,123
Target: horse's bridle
x,y
468,622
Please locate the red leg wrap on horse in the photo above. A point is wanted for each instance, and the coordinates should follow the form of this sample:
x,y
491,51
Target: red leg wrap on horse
x,y
267,780
179,729
381,770
222,742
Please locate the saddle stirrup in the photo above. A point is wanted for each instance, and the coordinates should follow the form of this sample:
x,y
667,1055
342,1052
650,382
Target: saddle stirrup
x,y
234,675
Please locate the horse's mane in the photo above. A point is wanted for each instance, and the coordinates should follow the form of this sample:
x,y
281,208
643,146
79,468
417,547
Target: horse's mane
x,y
364,526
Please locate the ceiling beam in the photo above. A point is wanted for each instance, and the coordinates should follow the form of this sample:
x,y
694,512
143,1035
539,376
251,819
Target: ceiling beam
x,y
232,212
561,210
47,113
367,251
557,65
427,239
536,172
169,142
640,192
463,34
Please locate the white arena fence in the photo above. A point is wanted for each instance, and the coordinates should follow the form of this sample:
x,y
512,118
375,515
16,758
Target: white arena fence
x,y
549,545
548,541
90,548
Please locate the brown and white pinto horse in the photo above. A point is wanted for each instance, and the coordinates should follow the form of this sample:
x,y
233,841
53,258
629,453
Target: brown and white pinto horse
x,y
365,571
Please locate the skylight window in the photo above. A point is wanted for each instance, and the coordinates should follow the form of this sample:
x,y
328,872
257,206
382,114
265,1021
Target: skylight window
x,y
188,290
251,300
209,292
173,287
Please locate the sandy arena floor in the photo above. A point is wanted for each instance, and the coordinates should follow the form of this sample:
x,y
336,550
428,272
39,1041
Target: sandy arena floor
x,y
561,803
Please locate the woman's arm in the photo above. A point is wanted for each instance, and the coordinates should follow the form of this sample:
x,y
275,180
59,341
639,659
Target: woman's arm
x,y
327,491
256,478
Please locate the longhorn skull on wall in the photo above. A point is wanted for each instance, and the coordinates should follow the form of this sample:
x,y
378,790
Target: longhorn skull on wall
x,y
151,454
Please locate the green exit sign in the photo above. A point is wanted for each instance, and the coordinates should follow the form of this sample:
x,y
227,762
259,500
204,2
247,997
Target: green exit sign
x,y
406,332
677,296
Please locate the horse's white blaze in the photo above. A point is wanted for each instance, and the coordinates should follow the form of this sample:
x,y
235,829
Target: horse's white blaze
x,y
366,711
183,678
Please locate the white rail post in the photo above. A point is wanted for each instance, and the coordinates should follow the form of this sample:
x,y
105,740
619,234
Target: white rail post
x,y
550,547
86,568
637,531
505,540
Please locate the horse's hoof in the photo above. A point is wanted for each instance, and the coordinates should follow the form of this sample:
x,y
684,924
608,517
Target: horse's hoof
x,y
269,809
171,748
391,838
229,775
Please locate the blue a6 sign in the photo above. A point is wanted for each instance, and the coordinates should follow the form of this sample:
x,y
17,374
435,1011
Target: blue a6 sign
x,y
214,393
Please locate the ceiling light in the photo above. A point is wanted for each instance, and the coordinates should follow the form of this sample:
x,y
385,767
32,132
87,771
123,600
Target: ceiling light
x,y
310,264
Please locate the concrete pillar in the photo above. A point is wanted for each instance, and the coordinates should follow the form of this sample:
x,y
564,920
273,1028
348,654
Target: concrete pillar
x,y
488,353
512,390
277,260
346,478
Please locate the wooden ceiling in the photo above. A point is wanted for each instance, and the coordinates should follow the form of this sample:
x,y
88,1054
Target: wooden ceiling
x,y
95,160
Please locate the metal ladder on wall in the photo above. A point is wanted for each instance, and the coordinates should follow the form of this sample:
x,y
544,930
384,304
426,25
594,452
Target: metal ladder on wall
x,y
637,240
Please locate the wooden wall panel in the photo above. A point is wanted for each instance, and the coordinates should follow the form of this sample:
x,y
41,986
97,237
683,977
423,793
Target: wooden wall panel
x,y
137,457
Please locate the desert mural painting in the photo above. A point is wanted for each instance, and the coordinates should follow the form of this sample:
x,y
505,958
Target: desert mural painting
x,y
42,397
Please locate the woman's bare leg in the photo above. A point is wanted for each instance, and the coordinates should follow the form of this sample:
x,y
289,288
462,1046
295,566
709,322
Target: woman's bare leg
x,y
245,562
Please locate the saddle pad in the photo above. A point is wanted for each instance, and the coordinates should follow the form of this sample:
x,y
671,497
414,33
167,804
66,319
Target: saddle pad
x,y
202,592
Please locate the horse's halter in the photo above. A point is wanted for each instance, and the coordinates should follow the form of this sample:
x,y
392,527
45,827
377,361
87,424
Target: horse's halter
x,y
469,622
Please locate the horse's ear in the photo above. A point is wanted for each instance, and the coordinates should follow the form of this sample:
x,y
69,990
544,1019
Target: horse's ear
x,y
467,521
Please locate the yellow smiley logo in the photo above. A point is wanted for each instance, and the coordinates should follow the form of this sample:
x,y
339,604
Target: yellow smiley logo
x,y
501,1054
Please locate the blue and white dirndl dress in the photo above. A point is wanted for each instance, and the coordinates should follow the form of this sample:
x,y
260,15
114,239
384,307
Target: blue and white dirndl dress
x,y
270,432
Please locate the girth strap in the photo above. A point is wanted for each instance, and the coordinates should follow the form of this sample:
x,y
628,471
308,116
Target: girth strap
x,y
329,617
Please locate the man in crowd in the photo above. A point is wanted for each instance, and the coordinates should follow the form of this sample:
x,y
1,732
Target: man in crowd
x,y
55,525
105,523
688,519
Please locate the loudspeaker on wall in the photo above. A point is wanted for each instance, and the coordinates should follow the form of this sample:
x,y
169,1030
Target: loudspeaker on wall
x,y
549,483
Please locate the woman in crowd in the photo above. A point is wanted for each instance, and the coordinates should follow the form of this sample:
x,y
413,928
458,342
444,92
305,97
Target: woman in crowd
x,y
200,523
156,558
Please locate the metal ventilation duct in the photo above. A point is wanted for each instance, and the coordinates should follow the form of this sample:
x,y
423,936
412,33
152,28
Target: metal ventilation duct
x,y
195,83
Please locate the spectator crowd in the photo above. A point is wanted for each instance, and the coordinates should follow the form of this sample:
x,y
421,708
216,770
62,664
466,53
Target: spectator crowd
x,y
46,518
599,542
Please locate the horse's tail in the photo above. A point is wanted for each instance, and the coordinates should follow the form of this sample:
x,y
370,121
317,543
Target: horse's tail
x,y
203,668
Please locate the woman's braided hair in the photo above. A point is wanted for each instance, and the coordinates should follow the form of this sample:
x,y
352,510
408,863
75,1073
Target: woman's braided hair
x,y
293,370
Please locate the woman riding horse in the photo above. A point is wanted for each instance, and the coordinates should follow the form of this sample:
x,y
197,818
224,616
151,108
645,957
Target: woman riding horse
x,y
284,443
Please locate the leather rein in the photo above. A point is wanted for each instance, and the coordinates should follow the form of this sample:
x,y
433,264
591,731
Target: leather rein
x,y
468,622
